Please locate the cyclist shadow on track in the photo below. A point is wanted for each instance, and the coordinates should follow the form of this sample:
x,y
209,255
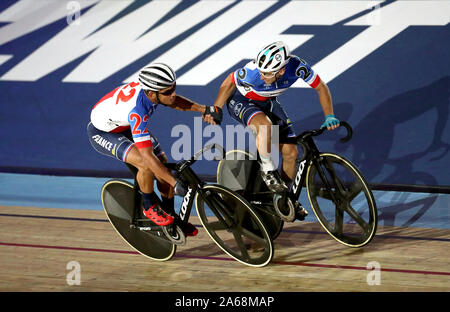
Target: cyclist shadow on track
x,y
308,247
373,141
203,250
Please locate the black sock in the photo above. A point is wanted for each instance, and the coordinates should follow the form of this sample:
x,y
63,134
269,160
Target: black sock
x,y
150,199
168,205
285,178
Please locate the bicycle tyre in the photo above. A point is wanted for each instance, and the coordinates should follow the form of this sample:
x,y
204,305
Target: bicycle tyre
x,y
231,206
359,230
118,203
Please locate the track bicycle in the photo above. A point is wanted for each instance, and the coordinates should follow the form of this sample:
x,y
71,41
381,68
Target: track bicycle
x,y
221,211
337,191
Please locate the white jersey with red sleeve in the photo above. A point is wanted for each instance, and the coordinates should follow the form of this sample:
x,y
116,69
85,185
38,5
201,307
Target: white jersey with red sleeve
x,y
250,84
125,108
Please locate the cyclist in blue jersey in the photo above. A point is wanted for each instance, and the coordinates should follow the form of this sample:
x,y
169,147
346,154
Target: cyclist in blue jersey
x,y
119,128
250,94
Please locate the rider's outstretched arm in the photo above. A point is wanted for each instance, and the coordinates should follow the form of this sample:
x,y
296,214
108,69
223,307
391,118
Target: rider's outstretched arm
x,y
325,98
184,104
225,91
214,113
327,105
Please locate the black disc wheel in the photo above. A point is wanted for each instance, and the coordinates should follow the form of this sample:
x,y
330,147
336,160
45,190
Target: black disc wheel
x,y
341,200
225,216
269,217
233,172
118,202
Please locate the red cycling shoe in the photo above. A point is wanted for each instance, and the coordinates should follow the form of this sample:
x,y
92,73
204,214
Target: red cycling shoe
x,y
158,216
189,229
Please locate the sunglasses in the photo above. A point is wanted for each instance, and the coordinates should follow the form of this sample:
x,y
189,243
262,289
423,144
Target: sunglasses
x,y
169,91
269,75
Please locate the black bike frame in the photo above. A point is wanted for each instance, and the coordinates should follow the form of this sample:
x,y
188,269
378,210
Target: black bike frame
x,y
195,186
311,156
194,183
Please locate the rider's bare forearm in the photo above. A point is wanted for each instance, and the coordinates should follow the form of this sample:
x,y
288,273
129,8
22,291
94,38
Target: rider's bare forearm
x,y
226,90
185,104
325,98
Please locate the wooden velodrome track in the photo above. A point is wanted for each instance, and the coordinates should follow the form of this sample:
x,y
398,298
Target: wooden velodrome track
x,y
36,244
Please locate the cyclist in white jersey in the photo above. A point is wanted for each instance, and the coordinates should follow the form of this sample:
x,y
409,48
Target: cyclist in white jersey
x,y
119,128
250,94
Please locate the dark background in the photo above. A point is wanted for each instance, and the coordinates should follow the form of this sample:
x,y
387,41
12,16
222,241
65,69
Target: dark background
x,y
397,100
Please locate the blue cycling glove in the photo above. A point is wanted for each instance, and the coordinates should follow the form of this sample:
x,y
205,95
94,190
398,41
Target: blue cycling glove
x,y
330,120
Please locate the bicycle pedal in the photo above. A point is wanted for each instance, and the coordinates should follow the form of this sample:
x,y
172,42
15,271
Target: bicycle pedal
x,y
300,212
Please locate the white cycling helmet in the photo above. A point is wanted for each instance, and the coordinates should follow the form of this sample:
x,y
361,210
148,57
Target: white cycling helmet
x,y
156,76
273,57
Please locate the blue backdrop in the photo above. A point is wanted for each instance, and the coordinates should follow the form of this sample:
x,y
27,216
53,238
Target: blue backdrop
x,y
397,100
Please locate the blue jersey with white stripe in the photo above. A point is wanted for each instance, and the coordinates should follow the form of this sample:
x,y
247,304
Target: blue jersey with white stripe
x,y
249,83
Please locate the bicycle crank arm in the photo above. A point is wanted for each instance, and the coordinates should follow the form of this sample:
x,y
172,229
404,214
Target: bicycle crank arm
x,y
154,228
171,233
146,228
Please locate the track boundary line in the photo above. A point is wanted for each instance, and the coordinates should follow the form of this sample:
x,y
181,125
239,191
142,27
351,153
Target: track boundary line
x,y
181,255
383,236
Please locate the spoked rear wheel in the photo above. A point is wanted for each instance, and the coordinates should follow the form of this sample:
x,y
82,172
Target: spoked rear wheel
x,y
118,203
225,216
345,208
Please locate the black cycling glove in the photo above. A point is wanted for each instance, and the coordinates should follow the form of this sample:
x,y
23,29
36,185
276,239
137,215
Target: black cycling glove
x,y
180,188
216,113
